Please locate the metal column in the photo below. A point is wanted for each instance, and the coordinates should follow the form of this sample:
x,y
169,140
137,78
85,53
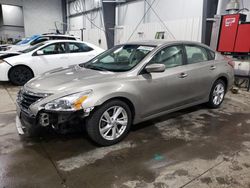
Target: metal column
x,y
108,9
209,10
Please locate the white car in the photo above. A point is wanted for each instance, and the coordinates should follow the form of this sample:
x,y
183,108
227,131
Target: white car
x,y
44,57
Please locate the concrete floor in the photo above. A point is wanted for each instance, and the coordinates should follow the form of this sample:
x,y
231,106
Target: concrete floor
x,y
192,148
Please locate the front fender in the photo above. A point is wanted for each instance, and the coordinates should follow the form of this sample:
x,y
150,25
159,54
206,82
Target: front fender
x,y
105,93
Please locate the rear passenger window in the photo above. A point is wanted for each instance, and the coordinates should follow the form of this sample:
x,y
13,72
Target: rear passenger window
x,y
196,54
79,47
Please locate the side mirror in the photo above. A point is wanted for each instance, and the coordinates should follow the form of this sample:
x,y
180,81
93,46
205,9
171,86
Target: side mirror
x,y
155,68
39,52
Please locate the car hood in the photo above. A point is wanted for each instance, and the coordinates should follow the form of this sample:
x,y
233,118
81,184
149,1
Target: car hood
x,y
62,80
16,48
11,54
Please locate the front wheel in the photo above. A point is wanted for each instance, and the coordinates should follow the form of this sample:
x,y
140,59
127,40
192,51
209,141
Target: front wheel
x,y
19,75
217,94
109,123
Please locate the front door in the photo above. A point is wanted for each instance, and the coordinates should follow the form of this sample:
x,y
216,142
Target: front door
x,y
166,90
53,56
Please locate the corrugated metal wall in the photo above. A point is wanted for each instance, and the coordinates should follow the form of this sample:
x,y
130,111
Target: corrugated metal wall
x,y
91,23
181,18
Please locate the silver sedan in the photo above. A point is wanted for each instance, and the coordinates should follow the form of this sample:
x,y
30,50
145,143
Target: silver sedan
x,y
125,85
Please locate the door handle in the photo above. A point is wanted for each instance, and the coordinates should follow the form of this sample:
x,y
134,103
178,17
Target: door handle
x,y
212,67
183,75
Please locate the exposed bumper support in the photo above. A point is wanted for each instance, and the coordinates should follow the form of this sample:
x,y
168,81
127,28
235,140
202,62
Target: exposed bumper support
x,y
19,126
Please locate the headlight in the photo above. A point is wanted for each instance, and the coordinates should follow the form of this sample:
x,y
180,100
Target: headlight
x,y
71,102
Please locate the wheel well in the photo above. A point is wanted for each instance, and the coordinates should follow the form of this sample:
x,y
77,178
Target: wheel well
x,y
128,102
20,66
224,79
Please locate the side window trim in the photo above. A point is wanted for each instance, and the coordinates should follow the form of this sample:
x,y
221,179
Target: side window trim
x,y
141,71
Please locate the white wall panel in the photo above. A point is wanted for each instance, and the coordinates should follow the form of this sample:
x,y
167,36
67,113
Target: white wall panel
x,y
12,2
11,32
40,16
12,15
183,29
83,5
176,9
92,35
181,17
77,23
86,21
91,22
130,13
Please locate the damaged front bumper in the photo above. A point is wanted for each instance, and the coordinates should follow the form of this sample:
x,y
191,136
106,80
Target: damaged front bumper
x,y
25,120
32,114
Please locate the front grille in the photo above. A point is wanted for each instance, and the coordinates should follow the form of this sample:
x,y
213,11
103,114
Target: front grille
x,y
27,100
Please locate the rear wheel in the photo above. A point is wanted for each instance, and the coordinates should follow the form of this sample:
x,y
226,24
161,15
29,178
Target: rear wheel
x,y
19,75
110,123
217,94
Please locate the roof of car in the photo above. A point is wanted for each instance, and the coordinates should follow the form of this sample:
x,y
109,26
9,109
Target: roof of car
x,y
162,42
58,35
60,40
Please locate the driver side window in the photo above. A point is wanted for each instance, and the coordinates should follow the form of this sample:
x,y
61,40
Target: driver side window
x,y
57,48
170,56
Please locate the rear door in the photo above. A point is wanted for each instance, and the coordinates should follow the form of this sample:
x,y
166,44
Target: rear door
x,y
201,71
79,52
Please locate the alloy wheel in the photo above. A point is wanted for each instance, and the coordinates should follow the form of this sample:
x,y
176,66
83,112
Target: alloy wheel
x,y
113,123
218,94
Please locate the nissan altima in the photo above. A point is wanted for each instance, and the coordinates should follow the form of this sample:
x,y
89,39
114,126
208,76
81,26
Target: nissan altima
x,y
125,85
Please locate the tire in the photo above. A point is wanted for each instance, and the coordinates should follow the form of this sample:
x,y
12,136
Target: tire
x,y
104,121
19,75
217,94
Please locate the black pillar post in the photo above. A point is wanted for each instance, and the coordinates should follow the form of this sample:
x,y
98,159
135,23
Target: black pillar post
x,y
64,15
108,9
209,10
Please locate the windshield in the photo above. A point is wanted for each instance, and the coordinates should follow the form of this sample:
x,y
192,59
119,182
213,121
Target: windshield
x,y
120,58
31,48
28,40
